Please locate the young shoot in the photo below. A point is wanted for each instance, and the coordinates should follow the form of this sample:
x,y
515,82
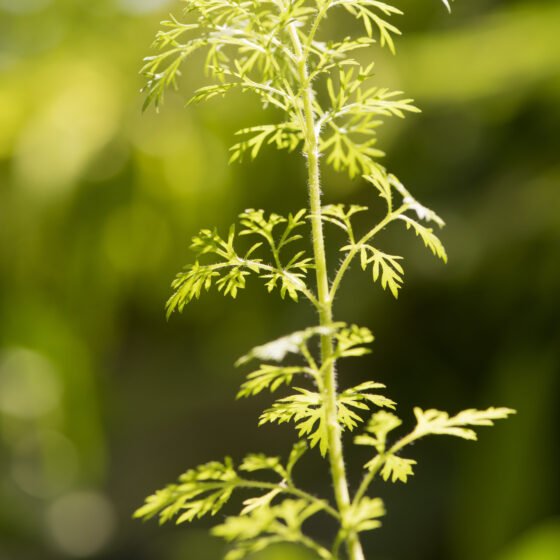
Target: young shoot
x,y
323,103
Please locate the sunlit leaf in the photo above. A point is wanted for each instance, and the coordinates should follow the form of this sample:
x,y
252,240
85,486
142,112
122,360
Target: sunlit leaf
x,y
201,491
268,377
427,234
440,423
365,515
379,426
397,468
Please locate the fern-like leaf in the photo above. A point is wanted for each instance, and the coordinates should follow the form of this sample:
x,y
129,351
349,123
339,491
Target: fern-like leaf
x,y
258,529
201,491
397,468
436,422
360,396
379,426
350,342
307,410
229,274
283,136
373,14
365,515
269,377
431,241
341,216
384,266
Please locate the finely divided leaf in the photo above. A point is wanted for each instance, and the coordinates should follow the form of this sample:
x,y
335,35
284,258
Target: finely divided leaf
x,y
355,114
228,274
379,426
437,422
427,234
283,136
377,176
350,341
340,215
364,516
265,525
199,492
397,468
252,504
388,267
232,267
259,462
307,410
268,377
245,527
360,397
367,11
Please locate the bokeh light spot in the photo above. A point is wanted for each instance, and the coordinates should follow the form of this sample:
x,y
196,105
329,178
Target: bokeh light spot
x,y
44,464
23,6
81,523
60,142
142,6
29,384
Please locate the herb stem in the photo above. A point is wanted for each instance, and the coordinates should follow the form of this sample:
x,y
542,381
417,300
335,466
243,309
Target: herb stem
x,y
334,433
368,478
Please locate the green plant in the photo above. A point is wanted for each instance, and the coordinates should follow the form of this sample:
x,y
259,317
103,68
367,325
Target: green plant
x,y
327,109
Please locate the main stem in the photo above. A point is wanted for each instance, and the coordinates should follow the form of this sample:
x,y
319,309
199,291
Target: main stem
x,y
336,456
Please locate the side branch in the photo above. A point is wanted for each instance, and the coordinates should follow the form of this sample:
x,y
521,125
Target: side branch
x,y
357,246
428,422
293,491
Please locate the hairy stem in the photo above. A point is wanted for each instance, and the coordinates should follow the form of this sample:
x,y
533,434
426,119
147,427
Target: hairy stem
x,y
368,478
336,457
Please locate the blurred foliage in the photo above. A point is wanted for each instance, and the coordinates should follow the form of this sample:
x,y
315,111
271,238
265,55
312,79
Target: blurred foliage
x,y
540,543
102,399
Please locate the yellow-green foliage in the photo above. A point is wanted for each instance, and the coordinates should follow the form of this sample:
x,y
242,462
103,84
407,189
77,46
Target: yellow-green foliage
x,y
322,103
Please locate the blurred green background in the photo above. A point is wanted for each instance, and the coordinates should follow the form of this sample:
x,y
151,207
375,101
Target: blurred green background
x,y
102,400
